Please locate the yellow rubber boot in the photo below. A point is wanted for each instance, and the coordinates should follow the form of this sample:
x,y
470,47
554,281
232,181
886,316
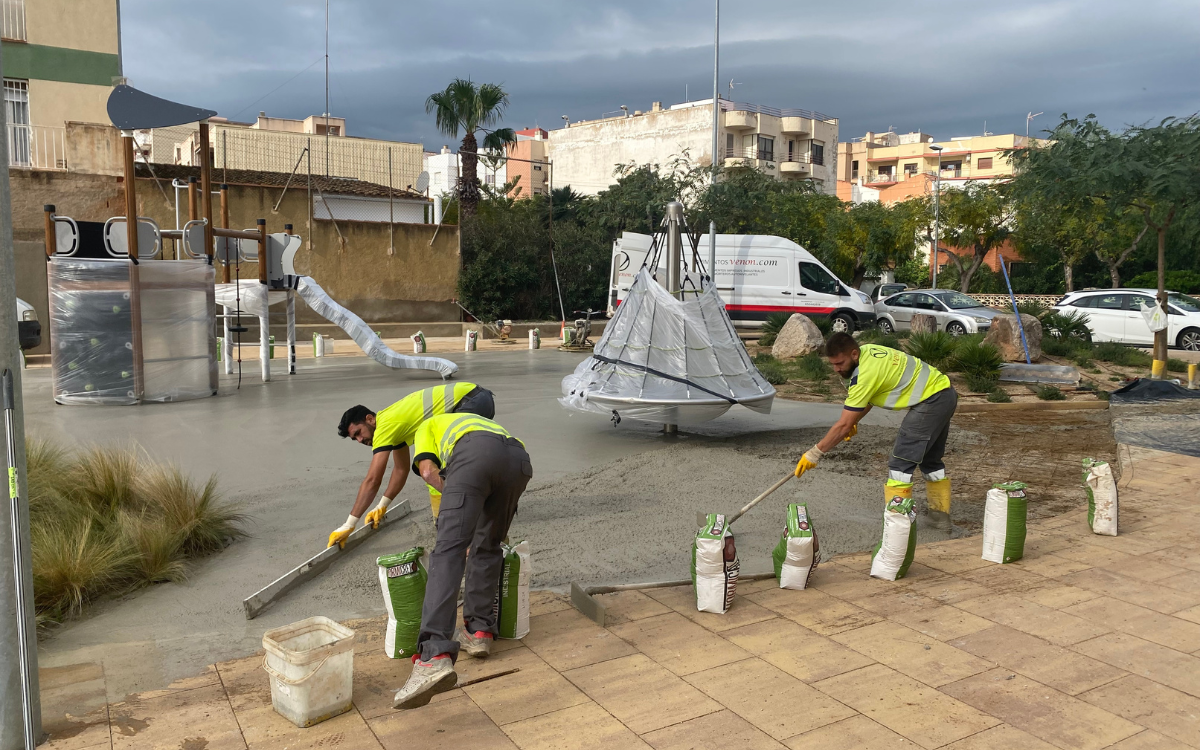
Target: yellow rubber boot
x,y
937,496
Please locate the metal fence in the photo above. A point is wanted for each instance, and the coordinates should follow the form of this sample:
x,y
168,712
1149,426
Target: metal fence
x,y
37,146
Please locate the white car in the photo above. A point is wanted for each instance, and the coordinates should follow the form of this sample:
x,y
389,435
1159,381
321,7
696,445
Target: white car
x,y
1116,315
955,312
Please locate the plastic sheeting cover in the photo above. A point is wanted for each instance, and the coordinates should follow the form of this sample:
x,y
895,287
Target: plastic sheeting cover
x,y
91,322
372,345
665,360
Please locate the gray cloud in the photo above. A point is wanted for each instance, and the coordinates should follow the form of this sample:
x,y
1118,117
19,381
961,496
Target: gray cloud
x,y
944,67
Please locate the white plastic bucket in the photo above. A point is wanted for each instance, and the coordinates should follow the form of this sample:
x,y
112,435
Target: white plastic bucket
x,y
311,666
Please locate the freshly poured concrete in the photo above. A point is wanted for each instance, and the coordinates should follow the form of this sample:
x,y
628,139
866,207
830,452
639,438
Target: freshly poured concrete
x,y
606,504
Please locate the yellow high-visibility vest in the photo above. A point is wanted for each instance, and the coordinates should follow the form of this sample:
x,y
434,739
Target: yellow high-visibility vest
x,y
396,426
891,379
438,435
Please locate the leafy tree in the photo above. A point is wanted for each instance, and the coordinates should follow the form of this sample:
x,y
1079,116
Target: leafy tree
x,y
975,217
870,237
471,109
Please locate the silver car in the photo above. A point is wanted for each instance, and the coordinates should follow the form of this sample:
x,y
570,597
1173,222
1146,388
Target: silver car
x,y
955,312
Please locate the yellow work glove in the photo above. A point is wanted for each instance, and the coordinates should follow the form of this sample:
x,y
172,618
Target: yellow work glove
x,y
375,516
340,534
852,433
809,460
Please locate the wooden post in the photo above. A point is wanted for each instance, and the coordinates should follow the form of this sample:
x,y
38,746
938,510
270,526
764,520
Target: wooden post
x,y
225,225
206,190
51,234
193,209
262,251
135,294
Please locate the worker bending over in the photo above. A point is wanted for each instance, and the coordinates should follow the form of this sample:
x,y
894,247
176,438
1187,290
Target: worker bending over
x,y
390,432
481,472
891,379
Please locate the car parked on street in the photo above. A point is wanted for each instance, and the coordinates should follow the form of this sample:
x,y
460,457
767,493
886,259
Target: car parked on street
x,y
887,290
955,312
29,330
1116,315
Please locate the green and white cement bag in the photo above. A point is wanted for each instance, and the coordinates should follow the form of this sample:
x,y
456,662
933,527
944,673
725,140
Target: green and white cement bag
x,y
512,598
1102,496
896,548
798,552
715,565
1004,517
403,578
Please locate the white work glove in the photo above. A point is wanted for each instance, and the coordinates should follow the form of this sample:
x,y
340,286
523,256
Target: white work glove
x,y
374,517
340,534
809,460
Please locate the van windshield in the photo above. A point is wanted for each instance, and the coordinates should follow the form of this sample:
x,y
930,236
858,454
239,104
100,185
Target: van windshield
x,y
818,279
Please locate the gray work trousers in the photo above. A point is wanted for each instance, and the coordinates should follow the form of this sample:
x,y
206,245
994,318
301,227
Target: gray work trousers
x,y
485,477
922,438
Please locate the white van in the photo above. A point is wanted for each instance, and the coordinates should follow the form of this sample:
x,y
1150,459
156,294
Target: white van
x,y
756,275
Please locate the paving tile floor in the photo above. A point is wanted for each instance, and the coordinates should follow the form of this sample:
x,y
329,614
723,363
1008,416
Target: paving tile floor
x,y
1088,642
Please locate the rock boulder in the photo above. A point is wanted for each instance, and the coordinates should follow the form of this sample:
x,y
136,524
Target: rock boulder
x,y
798,337
1006,336
923,323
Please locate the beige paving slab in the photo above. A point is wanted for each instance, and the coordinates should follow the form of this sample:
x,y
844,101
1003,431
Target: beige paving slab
x,y
641,694
446,725
856,733
1154,706
1045,713
1145,570
1054,626
1057,595
954,562
1051,566
74,703
769,698
626,606
815,610
743,611
909,652
948,589
1143,593
1187,581
566,640
1165,630
1149,740
167,720
892,601
544,602
583,727
1094,555
530,692
723,729
920,713
1057,667
1003,737
796,650
1178,555
677,643
376,680
942,621
1191,614
1005,579
848,583
1150,660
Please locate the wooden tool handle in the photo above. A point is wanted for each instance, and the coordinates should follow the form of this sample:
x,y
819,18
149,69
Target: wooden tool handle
x,y
759,499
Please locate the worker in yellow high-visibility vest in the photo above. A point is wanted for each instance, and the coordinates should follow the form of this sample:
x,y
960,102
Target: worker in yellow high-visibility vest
x,y
481,471
892,379
390,432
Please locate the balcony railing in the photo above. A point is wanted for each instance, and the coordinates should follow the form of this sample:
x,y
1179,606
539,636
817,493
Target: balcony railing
x,y
37,147
875,177
755,153
773,112
12,19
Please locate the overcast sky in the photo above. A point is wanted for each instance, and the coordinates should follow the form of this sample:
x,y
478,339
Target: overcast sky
x,y
941,67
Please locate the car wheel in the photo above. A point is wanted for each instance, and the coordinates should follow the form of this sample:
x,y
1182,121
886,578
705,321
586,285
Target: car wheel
x,y
956,329
1190,340
885,326
842,323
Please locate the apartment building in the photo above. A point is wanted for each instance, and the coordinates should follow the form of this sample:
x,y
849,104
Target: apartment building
x,y
788,144
445,166
530,161
60,59
890,167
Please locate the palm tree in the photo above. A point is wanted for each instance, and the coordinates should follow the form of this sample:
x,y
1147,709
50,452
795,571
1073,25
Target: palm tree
x,y
470,108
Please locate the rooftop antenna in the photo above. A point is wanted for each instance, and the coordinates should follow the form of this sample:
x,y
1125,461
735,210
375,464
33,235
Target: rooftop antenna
x,y
326,88
731,85
685,93
1029,117
985,130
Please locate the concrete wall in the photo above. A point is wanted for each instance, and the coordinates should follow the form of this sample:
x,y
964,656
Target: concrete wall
x,y
89,25
55,102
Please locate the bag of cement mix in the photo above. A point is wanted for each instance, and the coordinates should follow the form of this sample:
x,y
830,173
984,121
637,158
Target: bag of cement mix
x,y
512,598
472,341
535,339
896,548
798,552
1102,496
1004,517
418,340
403,578
715,565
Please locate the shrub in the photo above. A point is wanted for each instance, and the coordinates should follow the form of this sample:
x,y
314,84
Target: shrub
x,y
773,373
879,338
1066,326
1187,282
1103,395
812,366
999,396
73,560
1083,360
934,347
1029,307
771,328
823,324
763,358
1121,355
1050,393
979,384
1176,365
978,360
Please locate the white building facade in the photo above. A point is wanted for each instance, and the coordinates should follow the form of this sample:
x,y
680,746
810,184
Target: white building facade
x,y
445,167
788,144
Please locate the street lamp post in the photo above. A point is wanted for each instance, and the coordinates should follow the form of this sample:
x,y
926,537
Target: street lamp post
x,y
937,200
716,129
